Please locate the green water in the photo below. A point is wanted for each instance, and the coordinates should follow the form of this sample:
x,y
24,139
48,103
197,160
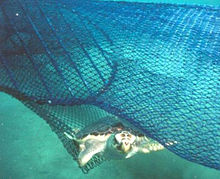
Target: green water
x,y
30,150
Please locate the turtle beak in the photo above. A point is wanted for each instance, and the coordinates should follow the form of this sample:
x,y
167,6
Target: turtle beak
x,y
125,146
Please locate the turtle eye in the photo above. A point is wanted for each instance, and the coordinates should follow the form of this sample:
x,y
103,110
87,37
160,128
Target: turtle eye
x,y
122,135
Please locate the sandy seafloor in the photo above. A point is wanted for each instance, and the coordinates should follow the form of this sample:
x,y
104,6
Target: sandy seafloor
x,y
30,150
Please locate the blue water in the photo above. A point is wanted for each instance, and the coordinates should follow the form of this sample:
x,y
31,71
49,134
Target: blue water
x,y
194,2
30,150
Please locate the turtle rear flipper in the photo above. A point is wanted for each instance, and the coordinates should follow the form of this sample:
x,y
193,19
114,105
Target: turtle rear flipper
x,y
71,136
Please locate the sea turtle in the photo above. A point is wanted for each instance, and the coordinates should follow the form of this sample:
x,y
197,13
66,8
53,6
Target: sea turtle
x,y
111,139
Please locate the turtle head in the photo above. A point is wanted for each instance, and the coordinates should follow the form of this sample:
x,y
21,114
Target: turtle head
x,y
124,141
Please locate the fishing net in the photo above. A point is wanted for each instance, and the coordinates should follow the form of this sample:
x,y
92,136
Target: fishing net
x,y
156,66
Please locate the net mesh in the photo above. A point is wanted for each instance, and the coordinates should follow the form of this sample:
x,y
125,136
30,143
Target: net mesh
x,y
156,66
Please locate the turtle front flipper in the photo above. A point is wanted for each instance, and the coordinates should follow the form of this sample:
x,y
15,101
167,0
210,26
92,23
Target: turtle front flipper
x,y
151,147
146,145
91,148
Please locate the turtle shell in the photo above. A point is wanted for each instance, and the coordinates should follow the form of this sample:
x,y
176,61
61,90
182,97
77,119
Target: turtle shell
x,y
106,125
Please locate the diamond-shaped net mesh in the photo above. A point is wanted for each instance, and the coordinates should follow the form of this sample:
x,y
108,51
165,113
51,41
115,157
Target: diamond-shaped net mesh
x,y
156,66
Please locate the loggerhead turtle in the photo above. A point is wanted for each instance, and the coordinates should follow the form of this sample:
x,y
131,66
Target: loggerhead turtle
x,y
111,139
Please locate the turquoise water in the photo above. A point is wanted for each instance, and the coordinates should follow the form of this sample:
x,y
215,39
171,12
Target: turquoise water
x,y
200,2
30,150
